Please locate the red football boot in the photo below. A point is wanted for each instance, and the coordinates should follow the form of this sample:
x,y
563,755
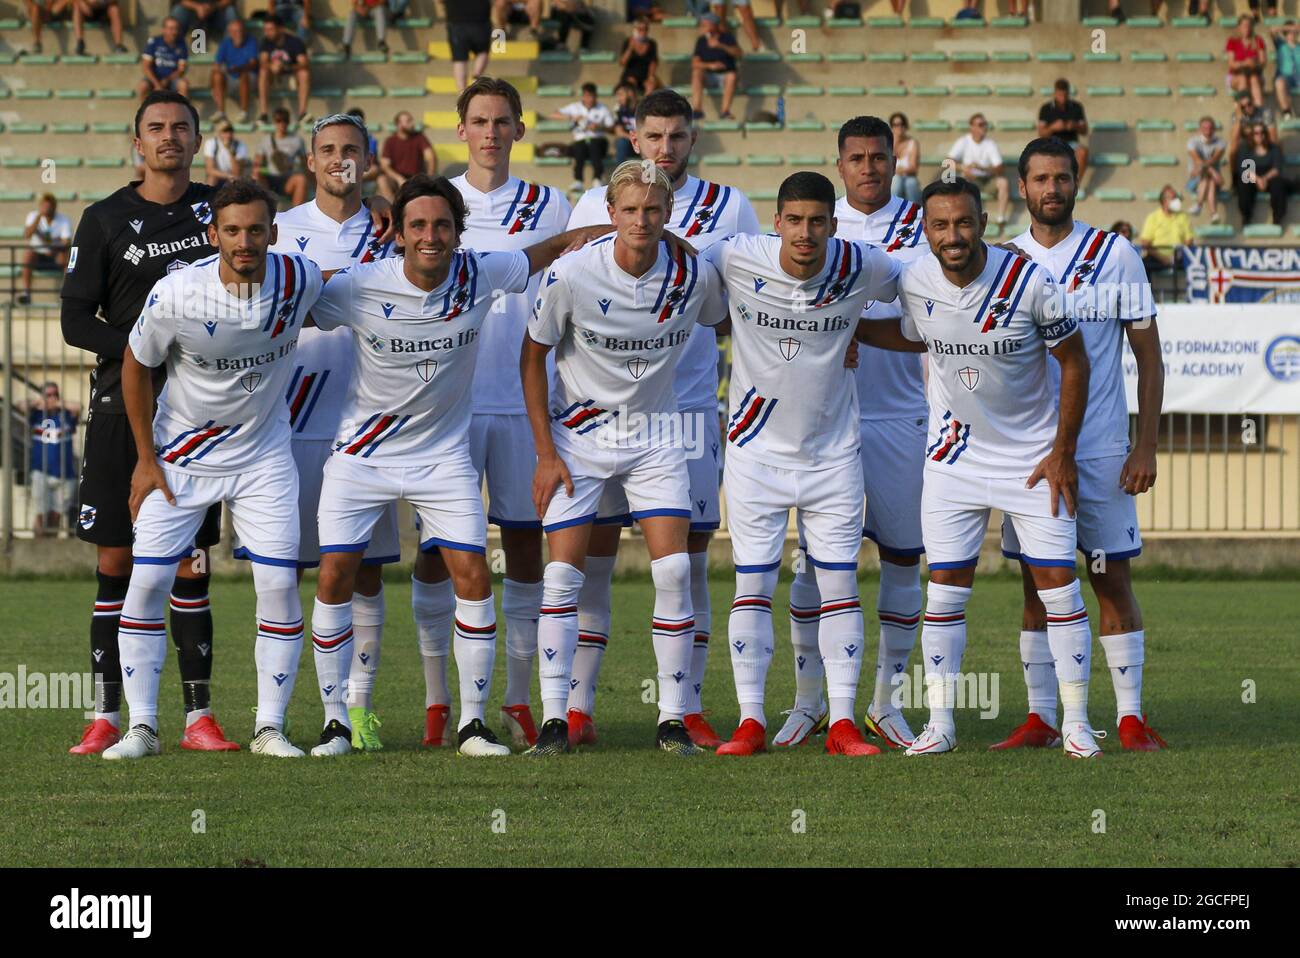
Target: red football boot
x,y
845,739
700,731
1135,735
1034,733
96,737
518,720
582,728
749,739
437,727
206,735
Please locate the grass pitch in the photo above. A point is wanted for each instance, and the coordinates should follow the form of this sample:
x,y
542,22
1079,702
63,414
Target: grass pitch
x,y
1225,794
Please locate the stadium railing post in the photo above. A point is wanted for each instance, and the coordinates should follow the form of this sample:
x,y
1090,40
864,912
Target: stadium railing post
x,y
7,436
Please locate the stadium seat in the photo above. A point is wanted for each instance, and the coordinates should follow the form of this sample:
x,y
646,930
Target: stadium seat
x,y
1091,57
1191,90
972,90
74,128
114,93
1148,56
1014,91
843,24
969,56
800,58
764,89
1098,91
1158,159
1010,56
720,159
803,91
27,127
19,162
1215,231
805,159
848,57
409,56
854,91
74,94
932,126
762,56
764,159
926,23
1194,56
887,91
1109,126
1111,159
406,92
593,56
885,23
1155,126
805,126
721,126
1115,196
1148,23
1262,231
1017,126
929,56
105,161
555,90
31,93
1008,23
1054,56
16,196
1152,91
756,126
929,91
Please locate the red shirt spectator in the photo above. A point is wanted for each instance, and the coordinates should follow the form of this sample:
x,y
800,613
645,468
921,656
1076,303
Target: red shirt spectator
x,y
1240,50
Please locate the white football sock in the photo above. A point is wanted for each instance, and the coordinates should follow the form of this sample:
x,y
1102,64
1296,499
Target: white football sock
x,y
593,632
702,606
331,646
279,640
805,610
433,604
557,636
520,602
1070,638
142,639
943,642
1125,655
1040,674
673,633
749,633
476,653
368,636
898,607
840,638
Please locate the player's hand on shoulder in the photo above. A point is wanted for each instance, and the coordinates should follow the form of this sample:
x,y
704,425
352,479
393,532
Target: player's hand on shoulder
x,y
147,477
550,474
1139,472
676,242
381,218
1012,248
1062,476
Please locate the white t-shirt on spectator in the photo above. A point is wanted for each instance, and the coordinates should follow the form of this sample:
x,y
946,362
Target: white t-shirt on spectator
x,y
983,155
58,229
582,116
217,151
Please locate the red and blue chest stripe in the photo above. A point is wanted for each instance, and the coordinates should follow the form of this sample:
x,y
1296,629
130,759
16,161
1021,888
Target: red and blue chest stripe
x,y
1003,295
844,265
525,210
678,283
707,206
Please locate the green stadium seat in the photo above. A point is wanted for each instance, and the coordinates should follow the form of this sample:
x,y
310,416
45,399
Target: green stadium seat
x,y
1155,126
1013,91
120,59
806,159
8,58
40,59
373,56
932,126
690,22
1095,91
1286,125
1262,231
769,22
720,159
805,126
19,162
882,56
327,59
764,89
803,91
74,128
1148,56
1158,159
1228,23
675,57
419,23
407,91
754,126
16,196
721,126
929,56
930,91
409,56
1109,126
11,23
1017,126
764,159
116,93
1152,91
1100,22
1151,196
1215,231
1100,57
933,159
1055,56
555,89
331,23
74,94
1148,23
847,91
328,92
71,162
1295,230
1194,56
365,92
926,23
887,91
596,56
551,161
1111,159
763,56
1008,23
977,90
1188,23
1197,90
799,58
1010,56
848,57
800,21
885,23
105,162
553,126
34,94
11,232
28,126
968,56
967,24
65,196
104,127
72,59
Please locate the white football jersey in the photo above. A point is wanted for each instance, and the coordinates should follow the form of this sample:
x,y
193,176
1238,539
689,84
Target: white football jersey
x,y
618,338
409,399
703,213
228,362
320,378
793,403
890,383
1102,284
514,216
992,403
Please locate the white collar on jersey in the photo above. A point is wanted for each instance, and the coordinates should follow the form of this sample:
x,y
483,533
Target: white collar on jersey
x,y
1034,248
358,222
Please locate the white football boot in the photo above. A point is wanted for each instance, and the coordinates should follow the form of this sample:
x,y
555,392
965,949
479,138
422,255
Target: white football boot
x,y
477,741
140,741
933,740
269,740
802,725
336,739
889,725
1080,741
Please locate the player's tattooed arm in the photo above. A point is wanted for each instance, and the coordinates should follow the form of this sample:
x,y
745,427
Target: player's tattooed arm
x,y
551,472
137,396
887,334
1059,467
1139,472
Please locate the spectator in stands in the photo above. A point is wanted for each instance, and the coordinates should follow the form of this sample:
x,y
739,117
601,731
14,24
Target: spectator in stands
x,y
49,235
282,54
716,52
907,160
377,10
574,15
164,61
1193,8
1246,114
1116,11
592,125
640,60
469,30
1164,230
295,14
1205,152
282,160
979,160
94,11
1124,228
224,157
211,16
624,122
405,153
1258,167
746,15
1286,55
507,12
1247,56
1254,9
1064,119
648,10
370,179
970,10
236,66
52,476
41,12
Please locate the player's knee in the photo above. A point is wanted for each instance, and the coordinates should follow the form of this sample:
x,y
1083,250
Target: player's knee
x,y
335,582
671,573
277,592
474,582
561,583
946,599
1062,600
370,580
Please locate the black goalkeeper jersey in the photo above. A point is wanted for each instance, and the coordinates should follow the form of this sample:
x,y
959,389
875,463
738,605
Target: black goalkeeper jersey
x,y
123,245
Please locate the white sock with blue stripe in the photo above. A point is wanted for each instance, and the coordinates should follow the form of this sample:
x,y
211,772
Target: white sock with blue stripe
x,y
943,642
1070,637
1040,674
142,639
433,604
475,647
520,602
1125,654
557,636
368,635
593,632
702,606
673,632
331,646
898,607
805,611
279,641
840,639
749,635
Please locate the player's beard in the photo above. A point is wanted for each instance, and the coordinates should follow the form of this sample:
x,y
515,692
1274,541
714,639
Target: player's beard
x,y
677,171
340,188
1063,213
957,266
170,162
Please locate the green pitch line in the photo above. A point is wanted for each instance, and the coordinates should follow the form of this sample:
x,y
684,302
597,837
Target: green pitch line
x,y
1223,795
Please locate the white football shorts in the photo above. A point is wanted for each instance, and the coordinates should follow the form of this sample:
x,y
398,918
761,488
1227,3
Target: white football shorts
x,y
1106,515
652,480
502,447
893,470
